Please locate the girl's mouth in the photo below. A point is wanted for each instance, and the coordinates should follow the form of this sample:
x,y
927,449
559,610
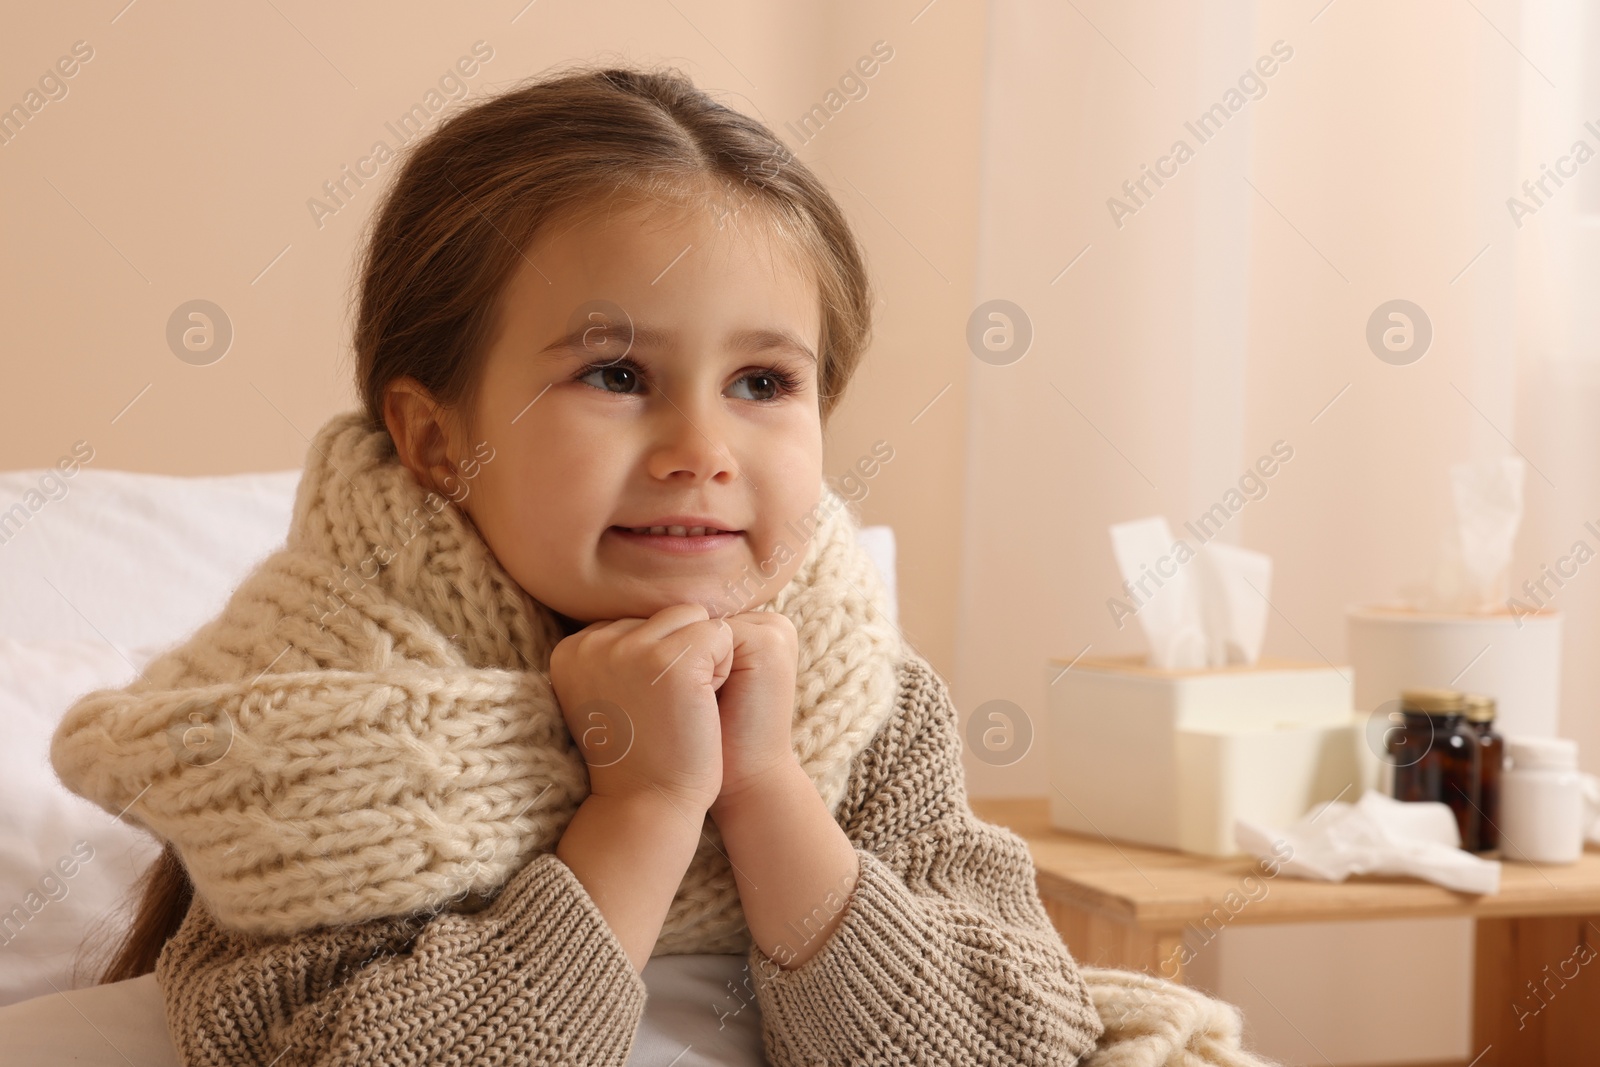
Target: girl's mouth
x,y
678,539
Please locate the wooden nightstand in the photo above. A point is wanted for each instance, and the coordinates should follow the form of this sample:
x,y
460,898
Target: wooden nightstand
x,y
1123,905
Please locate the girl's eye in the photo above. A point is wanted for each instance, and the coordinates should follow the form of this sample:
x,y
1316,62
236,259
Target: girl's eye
x,y
772,385
622,376
618,371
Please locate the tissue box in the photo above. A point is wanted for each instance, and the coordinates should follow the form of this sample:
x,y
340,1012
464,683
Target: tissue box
x,y
1515,658
1172,758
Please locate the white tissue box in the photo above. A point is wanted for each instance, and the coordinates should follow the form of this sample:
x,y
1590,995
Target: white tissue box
x,y
1513,657
1172,758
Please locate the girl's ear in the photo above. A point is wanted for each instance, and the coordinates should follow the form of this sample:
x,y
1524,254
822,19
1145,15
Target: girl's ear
x,y
422,432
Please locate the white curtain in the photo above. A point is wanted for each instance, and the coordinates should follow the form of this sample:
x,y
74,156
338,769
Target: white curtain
x,y
1557,336
1179,336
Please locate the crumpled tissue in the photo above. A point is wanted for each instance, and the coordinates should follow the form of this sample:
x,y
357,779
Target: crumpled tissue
x,y
1375,835
1198,607
1471,571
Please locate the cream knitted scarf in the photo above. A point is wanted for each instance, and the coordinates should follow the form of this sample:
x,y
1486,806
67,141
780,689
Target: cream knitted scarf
x,y
368,729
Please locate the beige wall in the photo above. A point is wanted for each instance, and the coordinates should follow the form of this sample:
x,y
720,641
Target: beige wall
x,y
180,162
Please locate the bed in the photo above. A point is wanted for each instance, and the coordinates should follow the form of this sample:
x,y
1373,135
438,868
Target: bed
x,y
100,571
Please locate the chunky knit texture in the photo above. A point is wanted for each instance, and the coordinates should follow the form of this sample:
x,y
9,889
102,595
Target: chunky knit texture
x,y
1151,1022
372,843
384,737
943,956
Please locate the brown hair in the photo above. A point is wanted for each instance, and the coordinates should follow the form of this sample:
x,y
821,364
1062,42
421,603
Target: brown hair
x,y
160,899
471,196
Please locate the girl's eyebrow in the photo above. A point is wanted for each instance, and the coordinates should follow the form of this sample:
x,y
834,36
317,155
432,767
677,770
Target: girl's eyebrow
x,y
752,341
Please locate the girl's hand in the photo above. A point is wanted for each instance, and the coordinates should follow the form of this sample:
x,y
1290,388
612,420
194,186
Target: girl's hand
x,y
639,696
757,701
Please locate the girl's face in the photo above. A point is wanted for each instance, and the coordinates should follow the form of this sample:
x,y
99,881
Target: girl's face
x,y
651,369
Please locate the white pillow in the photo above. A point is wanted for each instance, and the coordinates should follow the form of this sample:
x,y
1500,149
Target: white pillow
x,y
879,543
63,861
99,571
134,559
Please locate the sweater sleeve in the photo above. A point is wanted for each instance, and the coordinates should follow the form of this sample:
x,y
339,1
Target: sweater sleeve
x,y
944,954
537,977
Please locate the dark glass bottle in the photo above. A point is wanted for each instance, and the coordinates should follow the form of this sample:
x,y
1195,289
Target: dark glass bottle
x,y
1435,755
1491,761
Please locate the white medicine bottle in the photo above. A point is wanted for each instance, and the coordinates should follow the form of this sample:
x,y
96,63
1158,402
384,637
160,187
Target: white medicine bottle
x,y
1541,801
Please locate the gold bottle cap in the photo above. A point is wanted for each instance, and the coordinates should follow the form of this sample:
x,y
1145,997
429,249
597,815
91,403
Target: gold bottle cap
x,y
1480,707
1433,701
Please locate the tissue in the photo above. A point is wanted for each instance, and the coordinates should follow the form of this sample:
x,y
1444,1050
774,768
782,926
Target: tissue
x,y
1198,608
1475,553
1375,835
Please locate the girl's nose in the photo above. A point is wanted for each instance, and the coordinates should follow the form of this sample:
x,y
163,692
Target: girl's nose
x,y
689,441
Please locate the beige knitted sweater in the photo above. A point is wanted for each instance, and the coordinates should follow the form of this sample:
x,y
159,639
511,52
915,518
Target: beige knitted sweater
x,y
365,771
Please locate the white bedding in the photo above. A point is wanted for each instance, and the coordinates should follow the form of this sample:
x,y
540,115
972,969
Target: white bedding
x,y
700,1013
119,1023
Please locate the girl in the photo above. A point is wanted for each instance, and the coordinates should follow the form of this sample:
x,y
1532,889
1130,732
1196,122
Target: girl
x,y
571,658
